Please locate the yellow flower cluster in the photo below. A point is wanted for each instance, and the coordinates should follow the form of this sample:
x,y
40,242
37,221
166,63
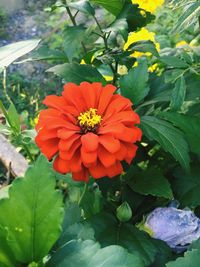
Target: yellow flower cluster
x,y
142,35
89,118
149,5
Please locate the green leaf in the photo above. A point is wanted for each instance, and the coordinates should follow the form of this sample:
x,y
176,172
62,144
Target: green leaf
x,y
9,53
190,259
187,186
73,37
178,94
73,226
174,62
134,84
33,213
73,72
6,256
158,185
83,6
113,6
189,16
138,243
170,138
89,254
144,46
190,125
14,118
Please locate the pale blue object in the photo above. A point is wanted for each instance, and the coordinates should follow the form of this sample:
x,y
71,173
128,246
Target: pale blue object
x,y
178,228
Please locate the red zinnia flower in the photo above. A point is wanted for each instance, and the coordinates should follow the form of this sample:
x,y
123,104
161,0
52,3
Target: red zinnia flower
x,y
89,130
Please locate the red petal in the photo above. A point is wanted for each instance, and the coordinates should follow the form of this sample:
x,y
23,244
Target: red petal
x,y
132,149
82,176
60,165
110,143
114,170
122,153
65,133
106,158
54,101
88,158
65,145
90,142
75,162
68,154
49,147
130,135
98,171
88,94
105,98
111,129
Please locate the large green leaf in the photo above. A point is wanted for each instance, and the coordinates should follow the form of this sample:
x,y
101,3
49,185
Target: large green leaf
x,y
174,62
134,84
9,53
170,138
158,185
73,37
73,72
190,259
187,186
178,94
89,254
190,125
113,6
108,231
33,213
7,258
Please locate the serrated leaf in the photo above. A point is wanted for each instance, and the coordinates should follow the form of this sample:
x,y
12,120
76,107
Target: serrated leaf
x,y
190,125
73,36
113,6
170,138
134,85
178,94
73,72
174,62
83,6
32,215
144,46
190,259
187,186
158,185
107,231
9,53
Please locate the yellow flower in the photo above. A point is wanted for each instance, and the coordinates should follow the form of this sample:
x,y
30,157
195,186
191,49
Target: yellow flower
x,y
142,35
181,43
149,5
153,67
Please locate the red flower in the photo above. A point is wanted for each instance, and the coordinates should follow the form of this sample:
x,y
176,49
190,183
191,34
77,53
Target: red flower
x,y
89,130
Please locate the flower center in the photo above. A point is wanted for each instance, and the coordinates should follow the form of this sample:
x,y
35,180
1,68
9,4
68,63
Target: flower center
x,y
89,121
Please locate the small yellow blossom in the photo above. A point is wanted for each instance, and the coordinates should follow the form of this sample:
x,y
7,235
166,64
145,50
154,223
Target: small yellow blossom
x,y
181,43
142,35
149,5
153,67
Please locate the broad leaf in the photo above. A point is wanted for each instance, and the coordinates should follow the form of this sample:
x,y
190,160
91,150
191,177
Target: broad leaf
x,y
190,259
108,231
170,138
178,94
9,53
14,118
174,62
134,84
32,215
190,125
73,72
187,187
89,254
158,185
73,37
113,6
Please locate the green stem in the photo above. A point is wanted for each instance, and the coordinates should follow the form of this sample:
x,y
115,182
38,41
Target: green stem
x,y
26,149
83,193
73,20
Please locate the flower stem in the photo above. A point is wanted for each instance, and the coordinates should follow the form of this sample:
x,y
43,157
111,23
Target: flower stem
x,y
5,86
83,193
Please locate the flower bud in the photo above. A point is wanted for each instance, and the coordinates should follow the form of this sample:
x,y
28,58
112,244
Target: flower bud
x,y
124,212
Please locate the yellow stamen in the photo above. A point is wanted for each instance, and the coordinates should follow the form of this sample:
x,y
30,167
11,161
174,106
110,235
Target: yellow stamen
x,y
90,118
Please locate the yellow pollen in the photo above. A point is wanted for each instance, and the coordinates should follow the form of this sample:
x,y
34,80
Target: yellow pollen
x,y
90,118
